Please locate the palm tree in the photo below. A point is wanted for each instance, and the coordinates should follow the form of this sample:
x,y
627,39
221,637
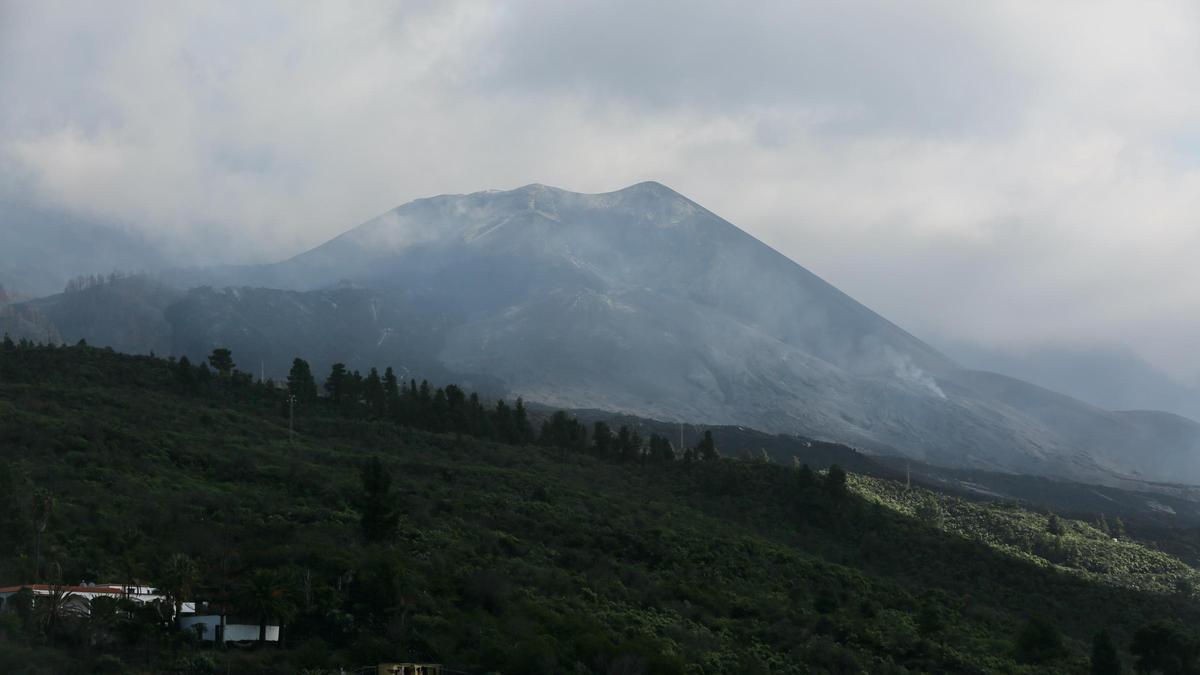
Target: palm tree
x,y
43,506
222,571
102,615
51,609
179,580
264,596
128,542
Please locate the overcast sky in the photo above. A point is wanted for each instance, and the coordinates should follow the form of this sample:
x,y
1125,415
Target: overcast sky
x,y
1009,174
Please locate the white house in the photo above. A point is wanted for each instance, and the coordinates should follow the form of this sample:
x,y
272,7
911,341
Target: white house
x,y
237,629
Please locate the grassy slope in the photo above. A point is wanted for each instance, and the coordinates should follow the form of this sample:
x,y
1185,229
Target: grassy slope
x,y
1079,548
531,559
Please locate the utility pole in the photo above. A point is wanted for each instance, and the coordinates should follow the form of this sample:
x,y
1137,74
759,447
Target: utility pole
x,y
291,418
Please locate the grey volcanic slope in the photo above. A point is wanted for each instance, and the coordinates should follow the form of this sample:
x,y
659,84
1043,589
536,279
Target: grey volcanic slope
x,y
641,301
494,251
264,327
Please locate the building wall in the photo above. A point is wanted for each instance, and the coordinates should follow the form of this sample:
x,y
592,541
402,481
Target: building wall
x,y
234,632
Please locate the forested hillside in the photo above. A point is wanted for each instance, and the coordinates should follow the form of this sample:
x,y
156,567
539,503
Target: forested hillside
x,y
403,521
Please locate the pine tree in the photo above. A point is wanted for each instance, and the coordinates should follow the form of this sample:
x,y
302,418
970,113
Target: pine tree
x,y
1054,526
835,481
409,405
524,428
185,376
563,431
354,384
602,439
706,449
654,448
1118,528
300,381
439,411
422,406
624,442
505,428
374,395
553,430
477,420
391,391
222,361
335,384
456,408
661,450
805,478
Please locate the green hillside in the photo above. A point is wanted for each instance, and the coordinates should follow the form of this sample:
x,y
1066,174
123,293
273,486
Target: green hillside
x,y
518,558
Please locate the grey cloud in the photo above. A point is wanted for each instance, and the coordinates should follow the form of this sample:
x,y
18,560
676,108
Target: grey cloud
x,y
924,67
1004,174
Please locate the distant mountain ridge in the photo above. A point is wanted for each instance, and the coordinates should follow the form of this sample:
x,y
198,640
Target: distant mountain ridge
x,y
640,301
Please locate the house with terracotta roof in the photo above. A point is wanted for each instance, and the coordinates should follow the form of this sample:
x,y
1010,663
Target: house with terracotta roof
x,y
77,599
206,622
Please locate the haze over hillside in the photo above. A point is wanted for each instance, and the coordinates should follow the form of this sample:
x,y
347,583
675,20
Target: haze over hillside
x,y
1110,378
637,301
41,249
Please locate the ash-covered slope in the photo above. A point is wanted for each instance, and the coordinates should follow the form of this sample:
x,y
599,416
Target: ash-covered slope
x,y
641,301
637,301
646,243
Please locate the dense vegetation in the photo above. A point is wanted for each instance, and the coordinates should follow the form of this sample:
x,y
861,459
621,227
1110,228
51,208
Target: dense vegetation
x,y
412,522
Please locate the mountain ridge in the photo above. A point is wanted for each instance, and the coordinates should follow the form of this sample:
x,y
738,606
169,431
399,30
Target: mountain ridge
x,y
641,301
